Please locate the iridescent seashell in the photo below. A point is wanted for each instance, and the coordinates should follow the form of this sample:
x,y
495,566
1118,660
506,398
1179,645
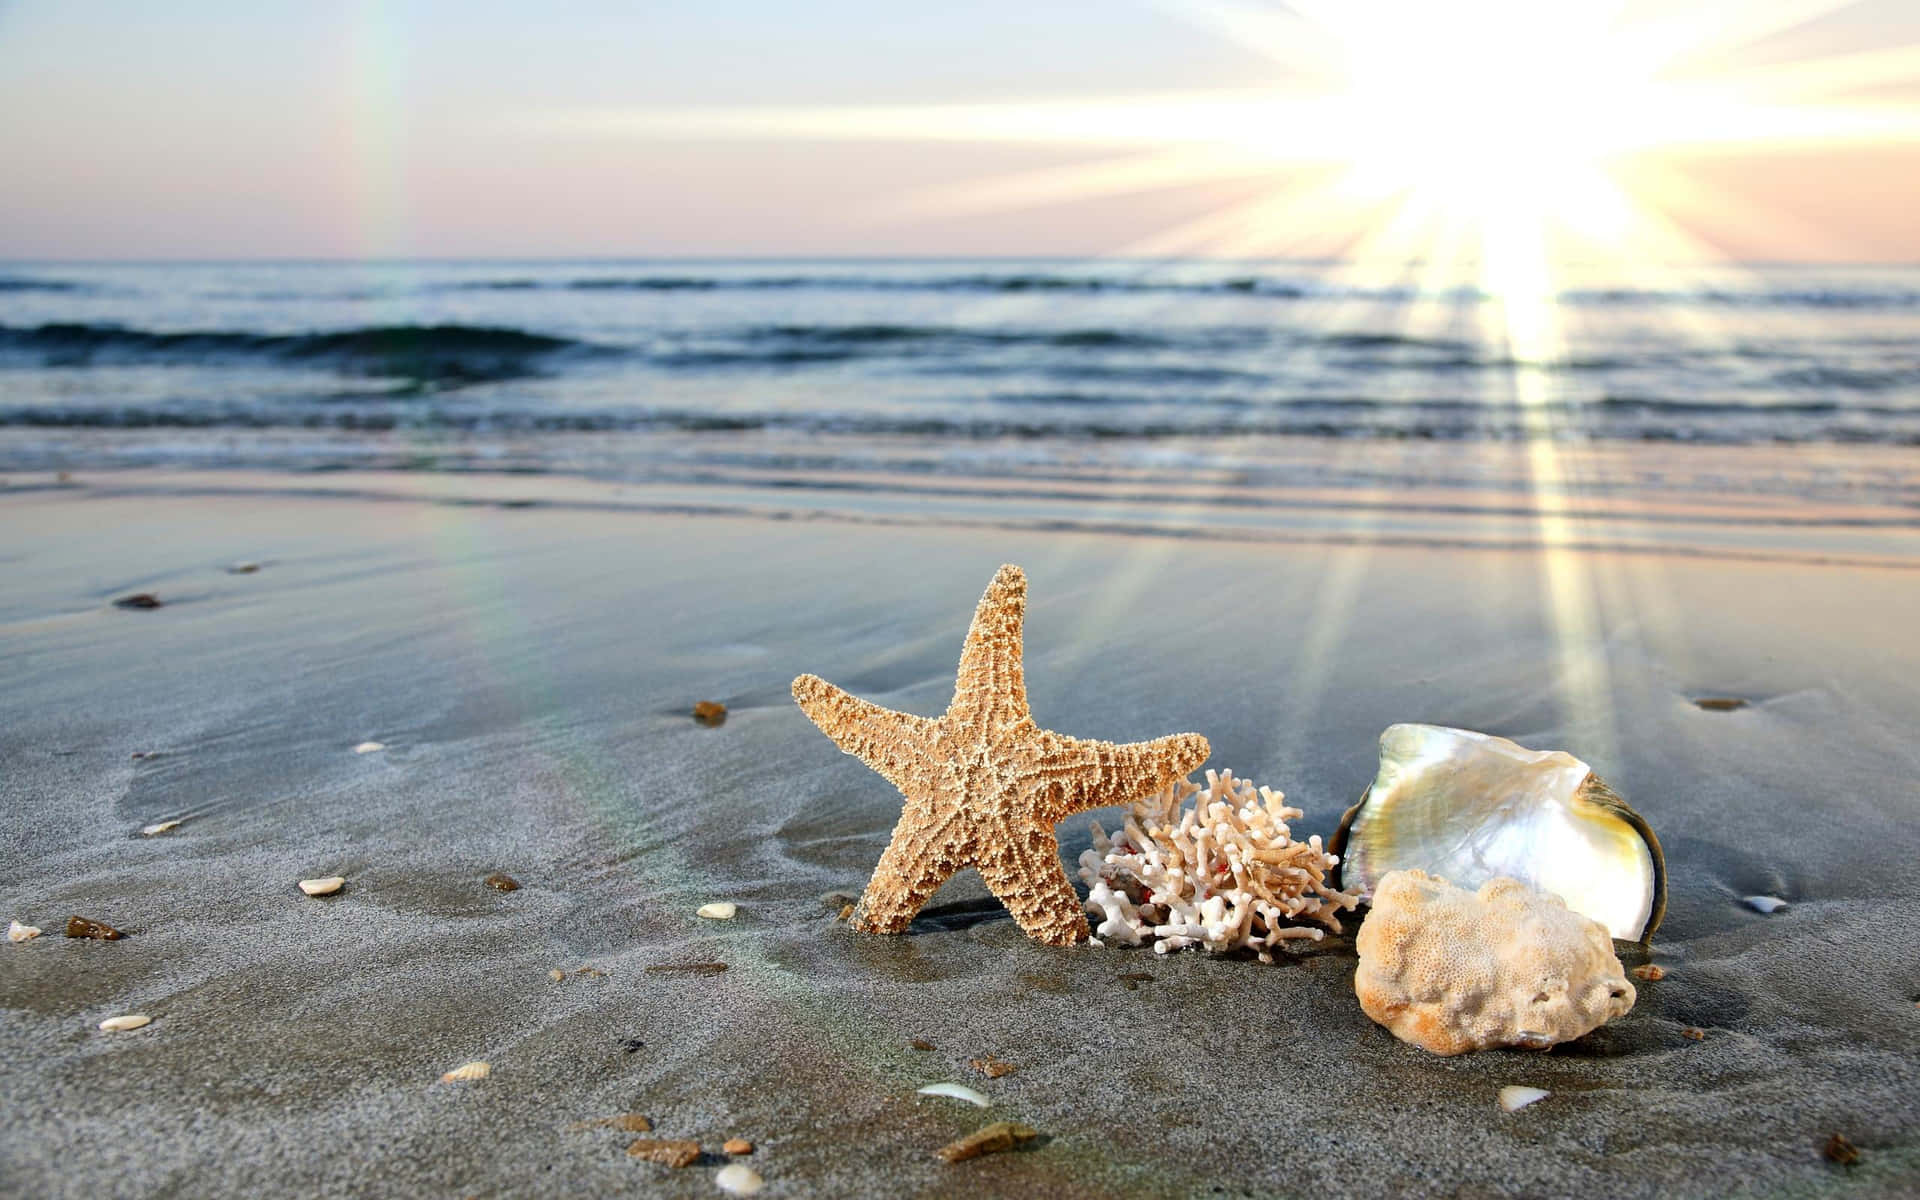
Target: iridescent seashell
x,y
1470,807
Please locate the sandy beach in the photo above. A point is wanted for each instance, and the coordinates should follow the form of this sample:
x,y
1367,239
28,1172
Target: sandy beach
x,y
528,651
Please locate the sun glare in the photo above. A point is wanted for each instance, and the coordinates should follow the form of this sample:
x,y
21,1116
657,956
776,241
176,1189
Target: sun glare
x,y
1470,119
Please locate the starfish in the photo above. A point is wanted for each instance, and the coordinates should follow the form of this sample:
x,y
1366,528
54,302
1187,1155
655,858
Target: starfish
x,y
985,785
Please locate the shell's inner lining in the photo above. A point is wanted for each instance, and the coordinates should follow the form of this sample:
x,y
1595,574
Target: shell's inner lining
x,y
1469,806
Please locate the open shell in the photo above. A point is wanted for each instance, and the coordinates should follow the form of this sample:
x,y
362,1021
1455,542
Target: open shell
x,y
1470,807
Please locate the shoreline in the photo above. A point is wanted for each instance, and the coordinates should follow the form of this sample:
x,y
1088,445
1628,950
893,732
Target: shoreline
x,y
529,667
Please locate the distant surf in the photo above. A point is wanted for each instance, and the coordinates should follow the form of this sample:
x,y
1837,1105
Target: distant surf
x,y
820,361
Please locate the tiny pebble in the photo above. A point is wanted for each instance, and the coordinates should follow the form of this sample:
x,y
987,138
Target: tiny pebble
x,y
1513,1098
737,1146
672,1152
138,600
100,931
1698,1035
710,713
991,1139
719,910
369,747
323,887
628,1122
1650,972
466,1072
990,1066
243,568
738,1179
1765,904
162,827
1721,703
500,882
122,1024
922,1044
1839,1149
17,932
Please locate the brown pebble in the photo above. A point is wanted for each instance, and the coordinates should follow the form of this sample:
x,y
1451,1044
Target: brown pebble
x,y
710,713
1839,1149
1698,1035
1001,1135
625,1122
922,1044
672,1152
699,968
631,1123
502,883
845,912
138,600
1651,972
737,1146
99,931
1720,703
991,1067
589,972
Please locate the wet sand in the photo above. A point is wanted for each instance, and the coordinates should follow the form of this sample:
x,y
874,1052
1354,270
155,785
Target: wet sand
x,y
529,652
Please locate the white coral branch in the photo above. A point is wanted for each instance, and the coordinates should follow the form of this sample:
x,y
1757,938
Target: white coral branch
x,y
1222,874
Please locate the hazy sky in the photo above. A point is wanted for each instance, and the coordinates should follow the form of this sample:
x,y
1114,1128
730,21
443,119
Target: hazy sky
x,y
256,128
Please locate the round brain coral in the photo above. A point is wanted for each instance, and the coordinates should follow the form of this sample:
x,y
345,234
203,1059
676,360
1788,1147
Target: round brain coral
x,y
1451,971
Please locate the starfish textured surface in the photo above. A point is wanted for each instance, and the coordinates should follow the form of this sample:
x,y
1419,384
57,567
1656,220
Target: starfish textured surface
x,y
984,784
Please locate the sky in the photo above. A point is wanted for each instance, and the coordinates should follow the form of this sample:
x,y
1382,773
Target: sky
x,y
277,129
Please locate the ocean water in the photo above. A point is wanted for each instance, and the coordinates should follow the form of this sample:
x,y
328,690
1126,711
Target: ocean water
x,y
998,366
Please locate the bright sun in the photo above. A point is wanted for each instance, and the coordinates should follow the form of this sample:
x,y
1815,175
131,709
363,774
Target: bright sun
x,y
1471,119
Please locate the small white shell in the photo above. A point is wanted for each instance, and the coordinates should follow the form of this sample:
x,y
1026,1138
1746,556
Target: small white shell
x,y
160,828
738,1179
956,1091
1513,1098
369,747
1765,904
122,1024
467,1071
719,910
16,932
323,887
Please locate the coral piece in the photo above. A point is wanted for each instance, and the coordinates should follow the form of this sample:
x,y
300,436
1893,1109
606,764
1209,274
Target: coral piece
x,y
985,785
1450,970
1223,874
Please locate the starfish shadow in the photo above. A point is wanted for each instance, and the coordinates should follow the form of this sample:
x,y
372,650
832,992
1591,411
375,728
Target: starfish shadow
x,y
958,915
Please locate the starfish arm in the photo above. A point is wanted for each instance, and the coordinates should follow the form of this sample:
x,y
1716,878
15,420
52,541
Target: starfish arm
x,y
915,863
990,690
1023,871
892,743
1083,775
